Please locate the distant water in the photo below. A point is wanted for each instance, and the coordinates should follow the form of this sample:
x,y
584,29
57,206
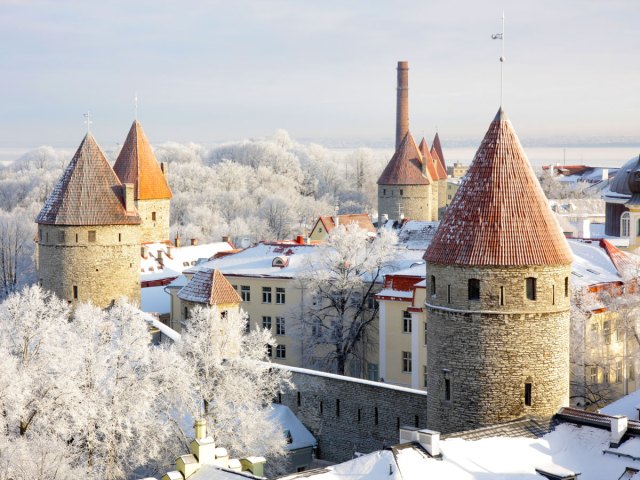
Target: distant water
x,y
594,156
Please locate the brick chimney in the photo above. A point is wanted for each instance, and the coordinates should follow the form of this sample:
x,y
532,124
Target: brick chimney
x,y
402,105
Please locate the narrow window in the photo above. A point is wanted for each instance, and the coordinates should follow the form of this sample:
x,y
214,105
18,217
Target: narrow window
x,y
280,295
553,294
448,293
593,375
279,397
638,228
401,192
474,289
447,386
406,362
119,237
359,415
566,286
375,415
75,292
280,327
153,216
266,294
527,394
266,323
531,288
299,399
606,331
76,238
406,322
425,333
502,296
433,285
337,407
61,236
397,423
417,421
605,374
47,237
619,371
631,372
424,376
92,236
321,407
245,293
185,313
384,191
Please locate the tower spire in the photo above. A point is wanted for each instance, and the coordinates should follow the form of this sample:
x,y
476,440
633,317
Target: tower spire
x,y
500,36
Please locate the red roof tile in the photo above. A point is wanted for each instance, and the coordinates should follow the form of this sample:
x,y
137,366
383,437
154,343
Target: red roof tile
x,y
426,157
361,219
440,168
405,167
438,148
208,286
621,260
500,215
88,193
138,165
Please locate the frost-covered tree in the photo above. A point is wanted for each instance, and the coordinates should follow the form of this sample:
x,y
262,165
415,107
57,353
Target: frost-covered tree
x,y
234,384
341,281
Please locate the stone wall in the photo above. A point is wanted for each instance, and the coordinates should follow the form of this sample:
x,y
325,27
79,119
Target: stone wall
x,y
102,270
348,415
442,193
415,201
488,351
154,230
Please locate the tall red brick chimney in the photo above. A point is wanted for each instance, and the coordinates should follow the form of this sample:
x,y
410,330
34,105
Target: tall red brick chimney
x,y
402,106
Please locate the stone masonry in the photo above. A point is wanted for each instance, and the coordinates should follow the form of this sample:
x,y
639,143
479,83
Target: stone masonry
x,y
348,415
488,349
102,270
414,201
154,230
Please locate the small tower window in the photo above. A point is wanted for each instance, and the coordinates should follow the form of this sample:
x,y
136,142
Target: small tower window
x,y
384,191
531,288
119,237
76,238
432,281
447,385
401,192
566,286
527,394
474,289
448,293
75,292
92,235
502,296
61,236
153,216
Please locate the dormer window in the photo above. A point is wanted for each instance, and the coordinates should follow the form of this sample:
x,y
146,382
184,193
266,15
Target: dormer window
x,y
280,262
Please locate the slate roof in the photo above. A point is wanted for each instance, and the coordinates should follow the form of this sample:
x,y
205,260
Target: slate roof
x,y
208,286
426,157
405,167
500,215
88,193
138,165
440,168
437,146
620,183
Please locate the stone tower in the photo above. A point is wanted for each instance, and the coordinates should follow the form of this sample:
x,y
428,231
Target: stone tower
x,y
89,233
404,187
497,303
137,164
441,167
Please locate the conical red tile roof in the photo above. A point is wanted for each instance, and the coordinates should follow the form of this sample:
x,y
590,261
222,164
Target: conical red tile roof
x,y
440,168
438,148
88,193
428,159
138,165
500,215
405,167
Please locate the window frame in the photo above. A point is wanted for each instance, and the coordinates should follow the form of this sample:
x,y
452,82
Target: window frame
x,y
245,293
281,351
266,322
280,295
531,288
267,295
280,326
406,321
406,362
473,289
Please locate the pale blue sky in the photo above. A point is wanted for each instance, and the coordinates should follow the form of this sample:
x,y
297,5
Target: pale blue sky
x,y
210,71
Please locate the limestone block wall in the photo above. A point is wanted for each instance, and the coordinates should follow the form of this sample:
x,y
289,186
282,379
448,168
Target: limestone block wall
x,y
486,350
442,193
435,199
102,270
348,415
154,230
413,200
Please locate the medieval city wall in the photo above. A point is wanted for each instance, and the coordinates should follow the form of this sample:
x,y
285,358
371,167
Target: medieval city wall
x,y
154,230
414,203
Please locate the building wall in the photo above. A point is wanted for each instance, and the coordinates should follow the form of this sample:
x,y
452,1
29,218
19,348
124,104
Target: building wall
x,y
442,193
414,202
452,189
103,271
158,230
489,351
613,212
355,427
435,196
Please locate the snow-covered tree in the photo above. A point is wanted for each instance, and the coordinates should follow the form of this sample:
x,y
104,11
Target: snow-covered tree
x,y
234,384
341,281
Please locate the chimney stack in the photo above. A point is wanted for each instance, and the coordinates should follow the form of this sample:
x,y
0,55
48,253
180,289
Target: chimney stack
x,y
177,241
128,194
619,425
402,105
194,242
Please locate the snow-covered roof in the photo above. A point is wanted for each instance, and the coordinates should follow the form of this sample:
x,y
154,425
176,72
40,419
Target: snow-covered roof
x,y
180,258
300,436
627,406
591,264
388,292
569,448
416,235
155,300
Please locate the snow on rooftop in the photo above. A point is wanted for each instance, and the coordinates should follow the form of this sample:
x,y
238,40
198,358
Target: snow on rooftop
x,y
627,406
591,264
388,292
301,437
181,258
155,300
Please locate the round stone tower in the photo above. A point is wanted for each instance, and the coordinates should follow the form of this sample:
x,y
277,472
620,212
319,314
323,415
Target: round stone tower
x,y
89,233
136,164
497,303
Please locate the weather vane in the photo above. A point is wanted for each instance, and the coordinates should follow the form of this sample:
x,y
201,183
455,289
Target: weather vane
x,y
500,36
88,121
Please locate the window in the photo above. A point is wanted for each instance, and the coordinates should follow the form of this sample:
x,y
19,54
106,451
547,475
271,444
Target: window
x,y
373,372
280,295
401,192
553,294
281,351
619,371
638,228
375,415
75,292
606,331
186,313
269,351
153,216
316,328
120,237
631,372
61,236
619,331
406,362
448,293
280,330
359,415
337,407
372,304
245,293
406,322
76,238
299,399
416,421
266,294
566,286
447,385
593,375
384,191
266,323
531,288
624,224
432,281
92,235
425,333
527,394
474,289
605,374
424,376
321,407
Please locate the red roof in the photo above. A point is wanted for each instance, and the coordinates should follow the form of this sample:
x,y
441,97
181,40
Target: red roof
x,y
405,167
621,260
438,148
426,157
360,219
500,216
208,286
138,165
442,171
88,193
